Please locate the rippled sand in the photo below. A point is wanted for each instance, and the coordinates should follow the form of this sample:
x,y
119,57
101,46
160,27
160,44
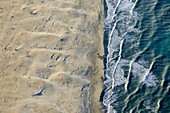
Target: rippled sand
x,y
51,56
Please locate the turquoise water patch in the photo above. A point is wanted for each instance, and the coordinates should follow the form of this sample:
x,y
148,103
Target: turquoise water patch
x,y
138,56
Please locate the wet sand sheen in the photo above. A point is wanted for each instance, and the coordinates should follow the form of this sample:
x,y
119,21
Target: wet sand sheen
x,y
49,56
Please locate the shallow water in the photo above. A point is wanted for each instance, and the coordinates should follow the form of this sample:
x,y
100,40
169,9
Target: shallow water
x,y
137,45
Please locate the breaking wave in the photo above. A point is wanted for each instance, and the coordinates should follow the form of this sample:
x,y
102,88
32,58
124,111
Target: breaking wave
x,y
125,69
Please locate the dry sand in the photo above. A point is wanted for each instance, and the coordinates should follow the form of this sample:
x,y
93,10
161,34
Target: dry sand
x,y
48,56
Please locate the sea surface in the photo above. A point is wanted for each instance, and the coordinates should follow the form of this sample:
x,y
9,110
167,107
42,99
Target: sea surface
x,y
137,62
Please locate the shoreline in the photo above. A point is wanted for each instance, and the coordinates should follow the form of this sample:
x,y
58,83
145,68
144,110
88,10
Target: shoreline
x,y
105,44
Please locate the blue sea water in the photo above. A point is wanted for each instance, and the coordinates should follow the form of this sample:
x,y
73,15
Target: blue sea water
x,y
137,62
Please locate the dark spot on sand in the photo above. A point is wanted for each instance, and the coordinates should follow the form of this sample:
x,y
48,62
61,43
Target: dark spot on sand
x,y
100,56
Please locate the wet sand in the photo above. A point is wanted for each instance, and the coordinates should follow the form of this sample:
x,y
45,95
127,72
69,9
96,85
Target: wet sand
x,y
51,56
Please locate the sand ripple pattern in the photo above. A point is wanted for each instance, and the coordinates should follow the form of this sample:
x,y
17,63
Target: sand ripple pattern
x,y
48,56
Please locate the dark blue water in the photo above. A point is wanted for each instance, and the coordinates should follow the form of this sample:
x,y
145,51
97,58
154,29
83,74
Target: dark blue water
x,y
137,66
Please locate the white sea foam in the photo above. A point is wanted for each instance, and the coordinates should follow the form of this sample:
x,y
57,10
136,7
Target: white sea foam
x,y
121,19
144,74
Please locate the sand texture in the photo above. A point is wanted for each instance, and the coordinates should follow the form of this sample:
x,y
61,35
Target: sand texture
x,y
51,56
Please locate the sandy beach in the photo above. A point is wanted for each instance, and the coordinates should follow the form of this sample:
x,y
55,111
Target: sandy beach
x,y
51,56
